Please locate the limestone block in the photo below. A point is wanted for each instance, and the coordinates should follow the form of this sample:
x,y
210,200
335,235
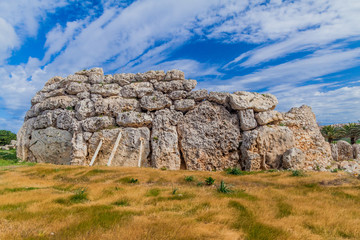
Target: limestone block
x,y
66,121
94,124
129,91
356,151
129,149
209,138
247,120
174,75
164,140
53,80
150,75
189,84
199,95
124,78
258,102
105,90
51,145
95,78
177,95
84,108
184,105
267,117
169,86
83,95
264,147
76,87
133,119
79,149
155,102
23,140
44,120
219,97
293,159
345,151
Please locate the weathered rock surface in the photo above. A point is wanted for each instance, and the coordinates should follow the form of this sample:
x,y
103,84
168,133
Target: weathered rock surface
x,y
293,159
344,151
51,145
134,145
209,138
247,120
267,117
164,140
250,100
165,124
356,151
264,147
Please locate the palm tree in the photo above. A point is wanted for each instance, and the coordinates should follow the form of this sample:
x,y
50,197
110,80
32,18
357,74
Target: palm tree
x,y
330,132
351,130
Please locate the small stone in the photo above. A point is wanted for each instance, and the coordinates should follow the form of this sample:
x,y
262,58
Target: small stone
x,y
247,120
184,105
199,95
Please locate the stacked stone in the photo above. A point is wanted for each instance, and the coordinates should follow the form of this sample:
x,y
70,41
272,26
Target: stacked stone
x,y
163,123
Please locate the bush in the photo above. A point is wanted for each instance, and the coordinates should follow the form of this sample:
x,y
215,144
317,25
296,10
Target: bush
x,y
223,188
189,178
6,137
297,173
209,181
234,171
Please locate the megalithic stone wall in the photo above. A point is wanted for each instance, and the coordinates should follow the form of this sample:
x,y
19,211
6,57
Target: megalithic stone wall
x,y
166,124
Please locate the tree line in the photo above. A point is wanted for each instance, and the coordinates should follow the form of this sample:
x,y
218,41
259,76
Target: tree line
x,y
333,133
6,137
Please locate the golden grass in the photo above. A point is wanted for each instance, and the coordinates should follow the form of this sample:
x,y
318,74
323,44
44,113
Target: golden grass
x,y
72,202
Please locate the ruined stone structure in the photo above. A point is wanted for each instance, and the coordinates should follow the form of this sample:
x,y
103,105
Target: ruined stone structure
x,y
158,121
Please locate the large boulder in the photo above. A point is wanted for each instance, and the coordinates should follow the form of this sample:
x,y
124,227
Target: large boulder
x,y
164,140
51,145
293,159
264,147
209,138
356,151
302,122
251,100
345,151
133,145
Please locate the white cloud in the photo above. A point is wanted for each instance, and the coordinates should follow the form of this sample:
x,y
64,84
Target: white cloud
x,y
298,71
335,106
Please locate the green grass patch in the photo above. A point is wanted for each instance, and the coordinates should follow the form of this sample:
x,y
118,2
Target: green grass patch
x,y
284,210
128,180
122,202
254,230
154,192
80,196
297,173
19,189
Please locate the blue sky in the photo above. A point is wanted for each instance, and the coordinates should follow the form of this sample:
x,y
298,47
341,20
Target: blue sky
x,y
304,52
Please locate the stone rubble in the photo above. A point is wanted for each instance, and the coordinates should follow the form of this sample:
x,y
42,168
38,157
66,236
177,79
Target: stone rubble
x,y
163,123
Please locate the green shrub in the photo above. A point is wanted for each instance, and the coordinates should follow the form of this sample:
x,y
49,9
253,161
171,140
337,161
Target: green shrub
x,y
209,181
122,202
133,180
6,137
223,188
297,173
234,171
163,168
79,196
189,178
335,170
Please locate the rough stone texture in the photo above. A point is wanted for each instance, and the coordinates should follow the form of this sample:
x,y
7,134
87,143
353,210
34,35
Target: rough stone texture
x,y
356,151
345,151
199,95
293,159
164,140
267,117
133,119
94,124
264,147
247,120
219,97
51,145
155,102
174,75
302,122
129,149
189,129
184,105
209,138
258,102
350,166
334,151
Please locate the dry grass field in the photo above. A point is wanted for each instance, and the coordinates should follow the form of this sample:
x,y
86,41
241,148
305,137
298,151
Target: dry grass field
x,y
72,202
